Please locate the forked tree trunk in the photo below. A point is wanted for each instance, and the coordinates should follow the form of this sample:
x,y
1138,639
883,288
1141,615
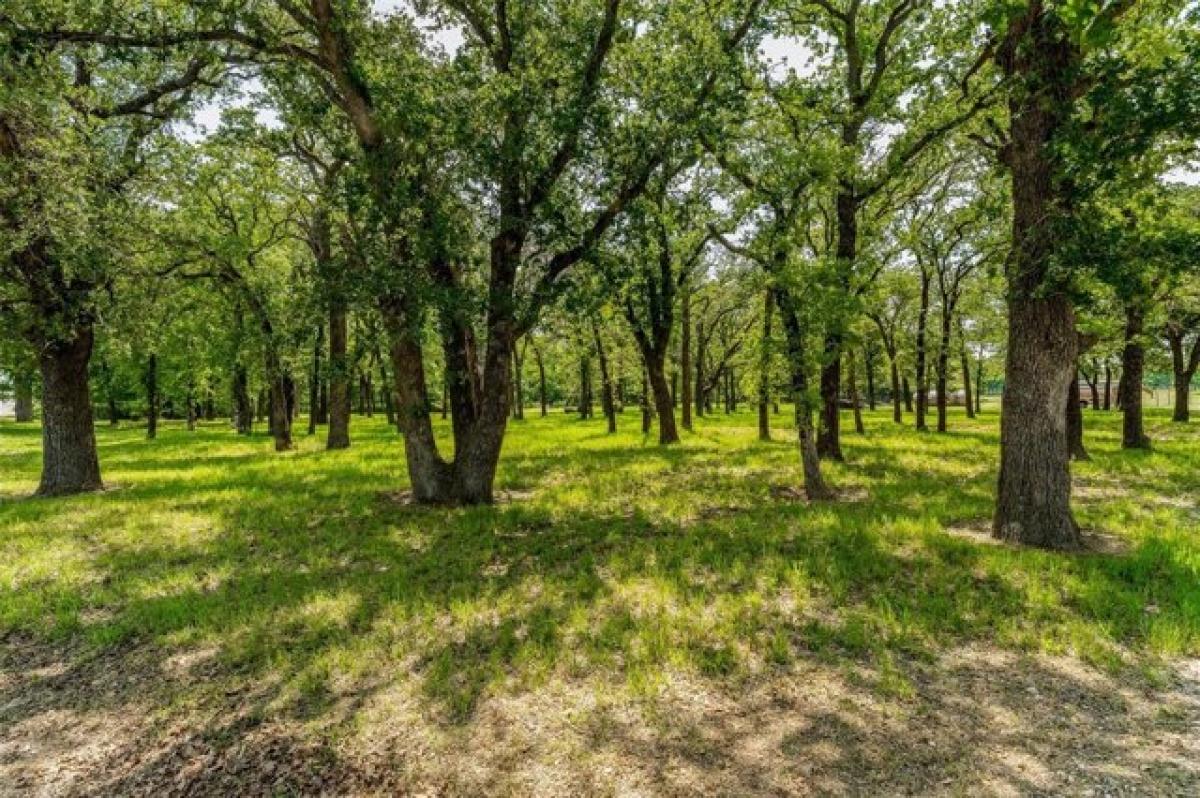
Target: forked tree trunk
x,y
338,434
69,460
23,395
1183,366
1133,360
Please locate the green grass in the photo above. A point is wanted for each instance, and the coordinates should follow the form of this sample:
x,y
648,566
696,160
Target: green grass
x,y
617,560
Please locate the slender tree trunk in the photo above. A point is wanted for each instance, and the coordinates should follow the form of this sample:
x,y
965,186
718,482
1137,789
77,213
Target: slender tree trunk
x,y
852,385
518,387
389,392
810,461
870,354
314,382
1183,367
69,460
338,434
541,367
23,395
829,436
764,370
1075,422
585,388
647,417
685,356
1133,358
943,366
897,394
607,400
243,410
965,365
700,397
151,384
922,368
1107,385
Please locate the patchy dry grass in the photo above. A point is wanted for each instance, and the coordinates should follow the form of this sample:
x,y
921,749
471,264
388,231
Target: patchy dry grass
x,y
632,620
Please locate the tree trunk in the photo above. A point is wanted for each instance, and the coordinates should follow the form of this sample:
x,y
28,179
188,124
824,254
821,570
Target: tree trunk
x,y
243,410
1133,359
338,434
1075,422
965,366
685,356
541,367
277,397
764,370
647,416
852,383
607,400
69,460
23,395
1033,504
829,436
664,404
810,461
870,354
314,381
151,383
1107,385
922,368
907,392
191,409
943,366
1183,366
700,397
897,394
385,385
518,387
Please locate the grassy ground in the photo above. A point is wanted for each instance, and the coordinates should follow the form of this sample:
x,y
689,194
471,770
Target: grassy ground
x,y
631,620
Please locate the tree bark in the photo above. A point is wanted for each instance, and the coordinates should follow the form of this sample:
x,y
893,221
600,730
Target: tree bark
x,y
1033,504
965,365
338,434
852,382
764,370
685,356
829,436
1183,366
314,382
922,367
870,353
243,410
69,460
1133,359
1075,422
23,395
943,365
607,400
151,383
810,460
541,367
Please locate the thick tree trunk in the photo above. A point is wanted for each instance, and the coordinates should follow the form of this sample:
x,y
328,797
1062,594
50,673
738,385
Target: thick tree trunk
x,y
1133,359
281,419
685,356
23,395
69,460
338,434
1033,503
664,404
151,383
